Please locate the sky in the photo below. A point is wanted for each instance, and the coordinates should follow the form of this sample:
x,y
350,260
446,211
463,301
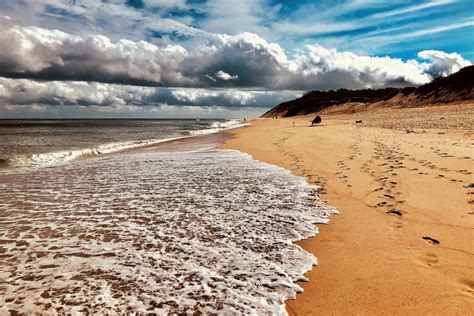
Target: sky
x,y
217,58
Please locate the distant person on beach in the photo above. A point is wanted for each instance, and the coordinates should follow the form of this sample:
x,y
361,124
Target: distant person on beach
x,y
316,120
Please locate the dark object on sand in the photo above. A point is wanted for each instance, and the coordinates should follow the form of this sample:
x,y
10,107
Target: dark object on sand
x,y
432,240
316,120
358,121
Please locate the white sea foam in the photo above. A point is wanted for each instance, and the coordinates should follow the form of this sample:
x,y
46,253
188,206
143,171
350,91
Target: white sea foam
x,y
58,157
187,231
219,126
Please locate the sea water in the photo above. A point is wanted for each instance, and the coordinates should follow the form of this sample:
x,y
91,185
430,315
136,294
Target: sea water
x,y
48,142
185,228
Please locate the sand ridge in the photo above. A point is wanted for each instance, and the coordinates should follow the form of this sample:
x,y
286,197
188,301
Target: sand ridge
x,y
403,243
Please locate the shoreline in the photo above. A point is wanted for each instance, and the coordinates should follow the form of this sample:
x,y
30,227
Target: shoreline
x,y
102,246
399,193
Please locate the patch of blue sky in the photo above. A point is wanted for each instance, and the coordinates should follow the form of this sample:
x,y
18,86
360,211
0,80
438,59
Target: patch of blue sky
x,y
173,35
396,30
194,14
137,4
450,41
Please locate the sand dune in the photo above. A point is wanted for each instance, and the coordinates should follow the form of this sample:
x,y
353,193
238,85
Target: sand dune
x,y
457,87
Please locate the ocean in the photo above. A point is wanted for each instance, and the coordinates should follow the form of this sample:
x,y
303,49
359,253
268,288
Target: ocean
x,y
176,227
49,142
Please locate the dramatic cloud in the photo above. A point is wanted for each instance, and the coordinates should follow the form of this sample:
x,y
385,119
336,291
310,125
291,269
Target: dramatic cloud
x,y
329,68
32,52
29,98
65,93
443,63
156,111
241,61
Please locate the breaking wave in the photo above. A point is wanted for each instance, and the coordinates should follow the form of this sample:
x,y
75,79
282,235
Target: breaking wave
x,y
63,156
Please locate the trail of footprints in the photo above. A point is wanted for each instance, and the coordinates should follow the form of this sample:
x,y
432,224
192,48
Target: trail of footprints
x,y
384,165
298,165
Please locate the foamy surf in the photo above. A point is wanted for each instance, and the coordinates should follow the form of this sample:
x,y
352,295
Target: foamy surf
x,y
59,157
198,230
219,126
64,156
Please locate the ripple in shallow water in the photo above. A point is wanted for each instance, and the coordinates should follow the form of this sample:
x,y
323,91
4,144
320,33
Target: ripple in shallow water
x,y
180,231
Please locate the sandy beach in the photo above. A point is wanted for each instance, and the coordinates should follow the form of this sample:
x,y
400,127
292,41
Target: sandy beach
x,y
403,183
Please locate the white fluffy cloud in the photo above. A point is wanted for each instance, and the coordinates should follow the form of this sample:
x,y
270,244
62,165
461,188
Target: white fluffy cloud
x,y
245,60
29,98
225,76
54,55
53,72
443,63
168,4
330,68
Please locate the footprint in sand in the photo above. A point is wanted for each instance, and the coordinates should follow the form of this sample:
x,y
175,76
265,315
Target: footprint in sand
x,y
467,287
430,259
396,224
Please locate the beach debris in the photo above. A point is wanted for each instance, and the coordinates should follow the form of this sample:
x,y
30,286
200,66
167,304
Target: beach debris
x,y
316,120
358,121
432,240
395,212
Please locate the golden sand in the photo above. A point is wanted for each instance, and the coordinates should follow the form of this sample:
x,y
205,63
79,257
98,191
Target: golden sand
x,y
404,241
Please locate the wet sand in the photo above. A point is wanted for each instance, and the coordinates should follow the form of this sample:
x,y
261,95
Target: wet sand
x,y
403,241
